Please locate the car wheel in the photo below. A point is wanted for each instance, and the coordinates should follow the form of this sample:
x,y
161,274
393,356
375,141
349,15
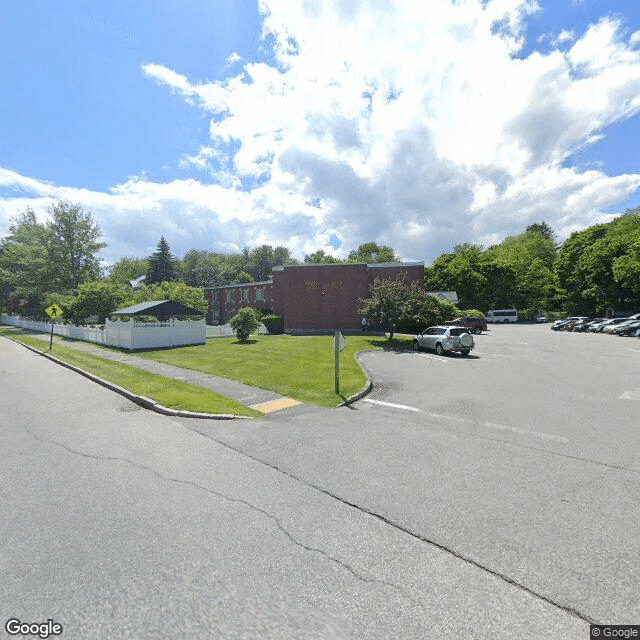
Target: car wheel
x,y
439,349
416,345
477,330
465,352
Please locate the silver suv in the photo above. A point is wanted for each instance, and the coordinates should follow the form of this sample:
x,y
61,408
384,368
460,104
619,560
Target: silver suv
x,y
444,339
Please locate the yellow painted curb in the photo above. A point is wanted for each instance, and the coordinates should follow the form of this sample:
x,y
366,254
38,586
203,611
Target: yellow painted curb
x,y
275,405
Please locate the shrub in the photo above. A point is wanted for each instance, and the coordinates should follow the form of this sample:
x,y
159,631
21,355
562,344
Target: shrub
x,y
273,323
472,313
244,323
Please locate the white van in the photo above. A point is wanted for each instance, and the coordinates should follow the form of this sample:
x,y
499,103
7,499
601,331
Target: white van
x,y
502,315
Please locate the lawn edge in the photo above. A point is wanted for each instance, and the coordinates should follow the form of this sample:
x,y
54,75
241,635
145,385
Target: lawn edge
x,y
368,384
142,401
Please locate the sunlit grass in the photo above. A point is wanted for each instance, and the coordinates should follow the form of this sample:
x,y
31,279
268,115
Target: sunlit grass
x,y
300,367
168,392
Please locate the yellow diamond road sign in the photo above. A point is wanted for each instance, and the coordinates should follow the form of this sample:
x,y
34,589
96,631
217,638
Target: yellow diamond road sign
x,y
54,311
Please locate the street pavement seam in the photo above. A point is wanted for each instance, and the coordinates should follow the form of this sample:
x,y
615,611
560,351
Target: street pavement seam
x,y
567,608
356,574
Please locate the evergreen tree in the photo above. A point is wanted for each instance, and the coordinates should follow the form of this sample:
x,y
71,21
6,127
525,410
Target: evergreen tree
x,y
161,264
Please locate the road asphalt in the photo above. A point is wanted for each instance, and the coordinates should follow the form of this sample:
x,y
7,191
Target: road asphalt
x,y
260,399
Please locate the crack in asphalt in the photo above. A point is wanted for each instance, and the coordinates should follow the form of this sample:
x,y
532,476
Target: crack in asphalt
x,y
417,536
356,574
516,445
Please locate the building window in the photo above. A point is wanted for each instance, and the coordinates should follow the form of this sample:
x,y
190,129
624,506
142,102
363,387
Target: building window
x,y
260,294
229,295
214,296
244,295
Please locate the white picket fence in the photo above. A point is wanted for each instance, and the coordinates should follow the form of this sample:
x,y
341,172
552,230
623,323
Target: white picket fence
x,y
127,335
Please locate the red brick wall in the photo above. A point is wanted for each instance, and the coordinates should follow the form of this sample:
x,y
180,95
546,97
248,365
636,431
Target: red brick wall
x,y
226,310
323,297
313,297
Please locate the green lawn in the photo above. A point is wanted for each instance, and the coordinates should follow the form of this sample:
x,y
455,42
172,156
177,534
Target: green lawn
x,y
168,392
300,367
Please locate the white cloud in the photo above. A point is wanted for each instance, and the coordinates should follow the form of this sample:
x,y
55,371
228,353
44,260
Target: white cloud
x,y
563,37
414,124
233,58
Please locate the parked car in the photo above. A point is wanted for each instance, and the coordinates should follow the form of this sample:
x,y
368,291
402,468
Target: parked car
x,y
560,325
599,326
627,328
583,326
571,326
613,324
443,339
475,325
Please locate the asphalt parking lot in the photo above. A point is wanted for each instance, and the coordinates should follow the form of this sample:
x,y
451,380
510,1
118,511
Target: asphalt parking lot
x,y
522,459
574,392
532,447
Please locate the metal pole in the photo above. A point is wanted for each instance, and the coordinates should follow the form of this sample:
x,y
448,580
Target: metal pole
x,y
336,349
51,337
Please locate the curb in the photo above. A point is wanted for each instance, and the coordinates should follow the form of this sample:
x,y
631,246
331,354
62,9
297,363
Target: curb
x,y
141,401
368,385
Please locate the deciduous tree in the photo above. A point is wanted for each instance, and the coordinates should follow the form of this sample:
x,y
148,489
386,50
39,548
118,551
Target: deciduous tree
x,y
74,246
373,253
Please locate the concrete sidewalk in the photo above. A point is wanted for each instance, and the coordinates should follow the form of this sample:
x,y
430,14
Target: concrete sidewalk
x,y
259,399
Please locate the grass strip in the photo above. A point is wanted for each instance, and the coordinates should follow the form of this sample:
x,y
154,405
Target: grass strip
x,y
300,367
168,392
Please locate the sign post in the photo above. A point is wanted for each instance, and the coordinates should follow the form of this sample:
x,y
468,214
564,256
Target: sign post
x,y
54,311
338,346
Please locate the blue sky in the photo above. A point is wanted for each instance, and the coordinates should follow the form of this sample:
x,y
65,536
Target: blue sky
x,y
226,123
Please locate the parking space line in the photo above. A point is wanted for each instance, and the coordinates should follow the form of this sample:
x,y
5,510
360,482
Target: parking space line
x,y
501,427
526,432
426,355
497,355
392,404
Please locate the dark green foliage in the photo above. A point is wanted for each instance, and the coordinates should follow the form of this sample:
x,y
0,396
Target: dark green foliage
x,y
517,272
74,246
99,299
161,264
127,269
24,254
53,257
372,253
395,305
244,323
320,257
597,268
273,323
27,302
175,290
260,261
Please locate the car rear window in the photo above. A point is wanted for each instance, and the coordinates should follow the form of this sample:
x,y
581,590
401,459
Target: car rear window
x,y
457,331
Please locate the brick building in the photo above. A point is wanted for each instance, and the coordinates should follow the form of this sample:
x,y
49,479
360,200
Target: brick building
x,y
226,301
312,298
